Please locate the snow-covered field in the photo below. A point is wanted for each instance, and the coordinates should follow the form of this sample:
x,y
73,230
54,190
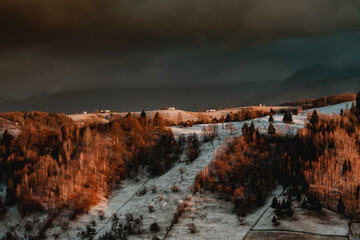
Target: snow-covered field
x,y
333,109
214,218
324,222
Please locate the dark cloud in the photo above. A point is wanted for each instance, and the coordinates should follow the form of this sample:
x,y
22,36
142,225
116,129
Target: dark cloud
x,y
106,26
52,46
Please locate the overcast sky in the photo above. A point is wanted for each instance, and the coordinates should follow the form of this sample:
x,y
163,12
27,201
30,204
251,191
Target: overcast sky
x,y
58,45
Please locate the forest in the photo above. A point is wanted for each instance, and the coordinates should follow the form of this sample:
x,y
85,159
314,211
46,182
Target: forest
x,y
54,164
320,162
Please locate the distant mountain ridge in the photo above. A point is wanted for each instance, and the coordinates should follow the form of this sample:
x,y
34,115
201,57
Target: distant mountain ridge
x,y
310,82
321,73
137,98
313,81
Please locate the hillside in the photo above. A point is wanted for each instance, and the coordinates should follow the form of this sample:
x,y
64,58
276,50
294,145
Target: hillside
x,y
202,209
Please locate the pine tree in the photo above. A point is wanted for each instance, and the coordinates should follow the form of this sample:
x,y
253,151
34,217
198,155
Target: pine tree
x,y
193,147
304,204
287,117
341,206
2,206
245,128
271,119
357,191
274,220
274,203
252,128
345,168
271,129
314,118
228,118
158,121
143,119
290,212
357,105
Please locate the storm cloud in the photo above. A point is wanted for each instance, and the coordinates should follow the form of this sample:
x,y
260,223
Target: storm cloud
x,y
55,46
110,26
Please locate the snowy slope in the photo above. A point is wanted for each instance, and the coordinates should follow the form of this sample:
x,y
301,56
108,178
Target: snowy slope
x,y
333,109
210,216
125,200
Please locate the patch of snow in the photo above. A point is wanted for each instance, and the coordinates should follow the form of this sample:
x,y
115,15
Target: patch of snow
x,y
333,109
322,222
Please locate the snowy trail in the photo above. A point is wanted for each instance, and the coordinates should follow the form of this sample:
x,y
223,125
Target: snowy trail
x,y
117,200
117,211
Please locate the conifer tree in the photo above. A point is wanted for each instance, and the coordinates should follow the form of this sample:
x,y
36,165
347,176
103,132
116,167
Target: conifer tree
x,y
290,212
341,206
1,205
314,118
158,120
271,119
252,128
287,117
271,129
228,118
345,168
245,128
143,119
357,191
274,203
274,220
357,105
193,147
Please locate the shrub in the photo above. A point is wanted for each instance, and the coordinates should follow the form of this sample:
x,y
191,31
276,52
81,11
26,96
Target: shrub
x,y
101,215
151,208
154,227
275,221
153,189
129,217
175,188
142,191
65,225
242,219
28,226
341,206
274,203
179,211
192,228
88,233
304,204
